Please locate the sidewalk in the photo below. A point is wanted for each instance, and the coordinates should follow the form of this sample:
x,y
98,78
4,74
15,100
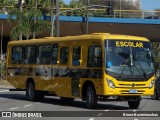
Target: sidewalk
x,y
5,84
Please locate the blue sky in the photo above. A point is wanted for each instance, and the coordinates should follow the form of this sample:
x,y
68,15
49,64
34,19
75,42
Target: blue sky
x,y
145,4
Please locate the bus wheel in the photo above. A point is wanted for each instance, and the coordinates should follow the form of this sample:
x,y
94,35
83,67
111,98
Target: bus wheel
x,y
91,98
154,96
66,99
134,104
32,94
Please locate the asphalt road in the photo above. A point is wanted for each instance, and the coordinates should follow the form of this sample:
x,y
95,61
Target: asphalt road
x,y
76,110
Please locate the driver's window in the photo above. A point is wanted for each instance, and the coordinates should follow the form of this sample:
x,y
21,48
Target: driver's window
x,y
94,56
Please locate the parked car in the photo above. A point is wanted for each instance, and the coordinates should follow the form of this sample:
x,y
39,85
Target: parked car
x,y
157,89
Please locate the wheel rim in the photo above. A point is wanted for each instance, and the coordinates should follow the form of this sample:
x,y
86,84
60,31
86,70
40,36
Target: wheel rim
x,y
88,97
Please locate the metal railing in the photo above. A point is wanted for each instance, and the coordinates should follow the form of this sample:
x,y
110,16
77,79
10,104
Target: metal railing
x,y
101,13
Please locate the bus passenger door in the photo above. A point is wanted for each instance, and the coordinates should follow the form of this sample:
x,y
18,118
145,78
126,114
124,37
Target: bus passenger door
x,y
64,84
76,70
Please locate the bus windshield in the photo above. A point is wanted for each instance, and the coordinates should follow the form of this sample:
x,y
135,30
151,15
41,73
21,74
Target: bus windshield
x,y
127,59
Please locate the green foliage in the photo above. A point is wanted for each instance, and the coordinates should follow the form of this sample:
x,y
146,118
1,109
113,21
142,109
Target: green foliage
x,y
156,54
25,22
157,12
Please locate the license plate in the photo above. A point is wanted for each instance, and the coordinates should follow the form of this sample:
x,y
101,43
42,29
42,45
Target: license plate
x,y
132,91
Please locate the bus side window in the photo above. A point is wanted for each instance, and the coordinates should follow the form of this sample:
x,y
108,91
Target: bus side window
x,y
64,55
30,54
76,56
94,56
55,54
17,55
45,53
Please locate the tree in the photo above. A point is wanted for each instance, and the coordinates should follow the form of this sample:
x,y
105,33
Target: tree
x,y
156,55
76,4
125,5
25,22
157,12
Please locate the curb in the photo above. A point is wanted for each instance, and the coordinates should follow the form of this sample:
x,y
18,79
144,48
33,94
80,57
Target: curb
x,y
6,86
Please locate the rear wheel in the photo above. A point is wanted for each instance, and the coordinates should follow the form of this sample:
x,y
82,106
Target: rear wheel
x,y
154,96
32,94
91,98
134,104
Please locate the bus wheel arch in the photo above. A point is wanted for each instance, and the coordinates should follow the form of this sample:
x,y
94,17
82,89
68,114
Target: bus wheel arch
x,y
89,94
31,93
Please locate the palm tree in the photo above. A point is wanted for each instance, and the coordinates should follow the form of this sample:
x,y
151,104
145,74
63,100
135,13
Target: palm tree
x,y
26,24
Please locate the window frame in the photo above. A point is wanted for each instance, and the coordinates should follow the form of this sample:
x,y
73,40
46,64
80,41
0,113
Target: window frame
x,y
22,54
94,46
38,54
80,55
35,53
57,53
60,56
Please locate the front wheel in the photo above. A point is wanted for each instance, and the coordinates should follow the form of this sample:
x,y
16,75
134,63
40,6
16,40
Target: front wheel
x,y
134,104
91,98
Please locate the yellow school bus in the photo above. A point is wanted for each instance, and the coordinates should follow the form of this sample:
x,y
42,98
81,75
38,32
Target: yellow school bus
x,y
93,67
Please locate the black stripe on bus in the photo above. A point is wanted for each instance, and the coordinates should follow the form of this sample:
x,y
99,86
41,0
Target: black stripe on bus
x,y
57,72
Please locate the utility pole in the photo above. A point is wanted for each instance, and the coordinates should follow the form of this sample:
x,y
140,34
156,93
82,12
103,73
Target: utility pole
x,y
20,8
57,19
1,47
87,18
55,16
120,5
35,19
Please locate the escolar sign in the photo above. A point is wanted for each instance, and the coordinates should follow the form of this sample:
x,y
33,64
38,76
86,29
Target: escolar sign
x,y
129,44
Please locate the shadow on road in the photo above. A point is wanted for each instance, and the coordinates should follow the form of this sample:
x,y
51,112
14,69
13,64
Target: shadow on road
x,y
57,101
81,104
150,99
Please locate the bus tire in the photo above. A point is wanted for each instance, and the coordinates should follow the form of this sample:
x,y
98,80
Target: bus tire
x,y
66,99
134,104
154,96
32,94
91,98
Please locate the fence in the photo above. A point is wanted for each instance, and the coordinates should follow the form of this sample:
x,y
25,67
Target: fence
x,y
101,13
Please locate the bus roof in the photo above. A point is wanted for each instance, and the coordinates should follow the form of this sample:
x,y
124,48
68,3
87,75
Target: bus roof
x,y
93,36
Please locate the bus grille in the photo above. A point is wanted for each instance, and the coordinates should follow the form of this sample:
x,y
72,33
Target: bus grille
x,y
127,92
131,85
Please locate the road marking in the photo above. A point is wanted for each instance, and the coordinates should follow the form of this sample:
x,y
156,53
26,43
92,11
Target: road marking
x,y
37,103
27,105
106,110
91,118
4,91
14,108
134,110
117,103
100,114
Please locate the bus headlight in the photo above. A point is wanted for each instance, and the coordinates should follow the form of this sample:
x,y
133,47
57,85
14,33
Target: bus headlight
x,y
151,84
110,83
